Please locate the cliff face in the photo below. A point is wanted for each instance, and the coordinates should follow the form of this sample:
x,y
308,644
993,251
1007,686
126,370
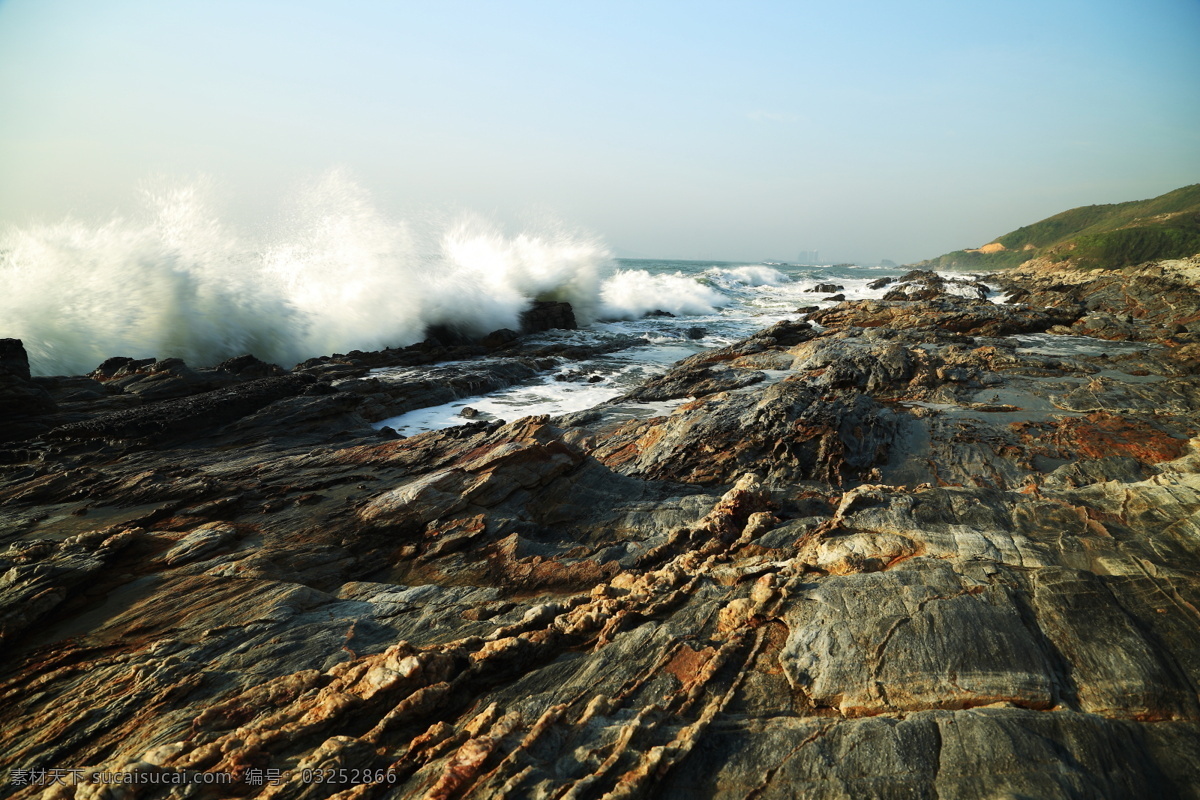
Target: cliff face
x,y
922,550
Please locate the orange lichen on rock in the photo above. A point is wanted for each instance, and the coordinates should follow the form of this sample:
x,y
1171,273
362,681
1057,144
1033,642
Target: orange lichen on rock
x,y
1101,434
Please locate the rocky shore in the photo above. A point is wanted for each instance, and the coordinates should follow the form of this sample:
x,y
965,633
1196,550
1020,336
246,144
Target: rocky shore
x,y
927,546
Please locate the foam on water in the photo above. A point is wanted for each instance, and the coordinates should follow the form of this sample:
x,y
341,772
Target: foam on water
x,y
749,275
715,305
613,375
632,293
507,405
340,275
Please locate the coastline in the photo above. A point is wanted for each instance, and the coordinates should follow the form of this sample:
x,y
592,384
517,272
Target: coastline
x,y
936,545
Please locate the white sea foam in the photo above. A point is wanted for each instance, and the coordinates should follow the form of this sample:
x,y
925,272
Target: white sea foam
x,y
632,293
750,275
178,281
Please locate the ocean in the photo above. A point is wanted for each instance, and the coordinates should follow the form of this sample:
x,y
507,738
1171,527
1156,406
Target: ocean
x,y
672,309
332,273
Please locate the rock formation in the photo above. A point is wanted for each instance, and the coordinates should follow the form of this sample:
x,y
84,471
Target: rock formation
x,y
905,548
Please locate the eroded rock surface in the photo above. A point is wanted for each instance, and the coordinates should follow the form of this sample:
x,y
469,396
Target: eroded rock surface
x,y
930,548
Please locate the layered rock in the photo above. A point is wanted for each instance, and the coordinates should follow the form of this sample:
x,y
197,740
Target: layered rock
x,y
1157,301
919,548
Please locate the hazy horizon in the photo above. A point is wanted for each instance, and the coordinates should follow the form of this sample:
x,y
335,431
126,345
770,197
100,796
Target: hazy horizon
x,y
864,132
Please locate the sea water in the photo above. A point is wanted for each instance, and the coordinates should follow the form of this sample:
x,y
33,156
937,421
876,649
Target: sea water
x,y
710,304
328,272
331,272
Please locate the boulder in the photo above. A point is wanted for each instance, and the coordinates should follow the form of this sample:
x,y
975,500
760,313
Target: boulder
x,y
546,315
22,400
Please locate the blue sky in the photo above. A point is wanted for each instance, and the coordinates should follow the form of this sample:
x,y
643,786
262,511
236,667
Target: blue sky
x,y
865,130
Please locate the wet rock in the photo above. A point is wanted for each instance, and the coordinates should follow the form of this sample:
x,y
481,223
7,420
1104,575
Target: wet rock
x,y
799,433
826,288
921,284
444,336
189,415
14,361
546,315
697,380
22,400
247,367
499,338
907,554
975,317
384,397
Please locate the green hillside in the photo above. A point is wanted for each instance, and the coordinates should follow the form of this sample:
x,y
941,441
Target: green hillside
x,y
1114,235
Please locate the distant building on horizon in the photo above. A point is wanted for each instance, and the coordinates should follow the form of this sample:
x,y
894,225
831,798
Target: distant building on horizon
x,y
809,257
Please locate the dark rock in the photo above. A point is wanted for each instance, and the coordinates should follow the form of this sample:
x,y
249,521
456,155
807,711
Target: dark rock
x,y
440,335
320,388
826,287
117,366
248,367
921,284
187,416
435,385
879,283
166,378
658,313
836,298
696,333
545,315
14,361
499,338
153,380
960,315
22,400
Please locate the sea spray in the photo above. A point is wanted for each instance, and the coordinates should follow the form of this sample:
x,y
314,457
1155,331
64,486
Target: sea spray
x,y
509,271
749,275
340,275
171,285
633,293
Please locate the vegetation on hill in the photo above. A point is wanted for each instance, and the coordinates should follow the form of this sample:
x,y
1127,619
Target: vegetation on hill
x,y
1114,235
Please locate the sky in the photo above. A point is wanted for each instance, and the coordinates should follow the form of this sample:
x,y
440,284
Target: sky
x,y
733,131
